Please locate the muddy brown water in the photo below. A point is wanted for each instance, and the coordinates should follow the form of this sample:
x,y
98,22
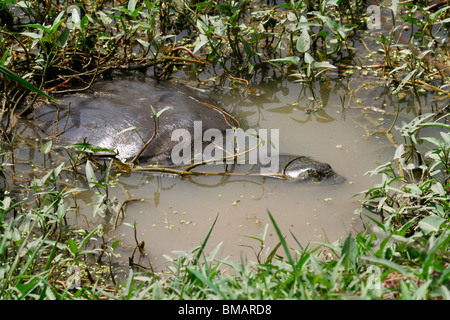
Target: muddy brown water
x,y
176,214
173,214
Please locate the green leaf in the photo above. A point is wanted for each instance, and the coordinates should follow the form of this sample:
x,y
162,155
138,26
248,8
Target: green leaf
x,y
201,41
257,37
423,54
115,244
88,237
33,35
131,5
324,64
392,265
431,224
46,147
323,33
106,174
399,152
62,39
433,140
36,26
145,44
306,25
57,22
75,16
414,189
303,42
349,252
439,189
308,58
421,292
406,79
89,148
27,287
126,130
72,246
162,110
292,60
107,20
90,175
438,13
398,68
56,171
100,207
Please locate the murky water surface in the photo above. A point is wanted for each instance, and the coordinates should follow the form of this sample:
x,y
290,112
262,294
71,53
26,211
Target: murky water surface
x,y
338,122
176,213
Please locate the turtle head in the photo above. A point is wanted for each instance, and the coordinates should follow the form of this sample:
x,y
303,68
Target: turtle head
x,y
302,169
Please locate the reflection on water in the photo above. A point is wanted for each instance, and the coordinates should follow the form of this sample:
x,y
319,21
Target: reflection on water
x,y
175,213
326,121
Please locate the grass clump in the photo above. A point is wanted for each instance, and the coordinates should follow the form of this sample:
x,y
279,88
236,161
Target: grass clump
x,y
402,254
53,49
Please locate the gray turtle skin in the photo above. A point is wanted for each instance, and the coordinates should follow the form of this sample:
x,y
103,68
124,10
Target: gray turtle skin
x,y
104,115
101,116
302,169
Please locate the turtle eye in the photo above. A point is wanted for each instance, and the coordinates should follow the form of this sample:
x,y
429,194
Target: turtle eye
x,y
316,175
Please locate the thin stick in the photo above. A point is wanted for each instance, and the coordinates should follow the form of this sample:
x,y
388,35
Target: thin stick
x,y
200,173
155,119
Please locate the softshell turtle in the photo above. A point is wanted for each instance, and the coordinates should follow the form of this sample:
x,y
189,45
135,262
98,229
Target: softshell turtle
x,y
303,168
288,167
120,115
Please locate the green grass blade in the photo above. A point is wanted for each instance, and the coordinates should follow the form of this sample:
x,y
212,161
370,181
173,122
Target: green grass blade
x,y
283,242
389,264
205,241
11,75
207,282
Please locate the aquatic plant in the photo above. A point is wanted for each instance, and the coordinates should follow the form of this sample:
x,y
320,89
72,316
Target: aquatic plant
x,y
402,254
64,49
